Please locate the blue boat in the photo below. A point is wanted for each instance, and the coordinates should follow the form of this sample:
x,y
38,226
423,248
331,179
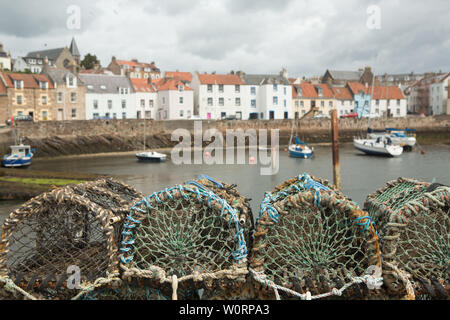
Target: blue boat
x,y
20,156
300,150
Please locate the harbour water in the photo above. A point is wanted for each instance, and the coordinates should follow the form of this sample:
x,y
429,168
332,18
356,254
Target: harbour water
x,y
361,174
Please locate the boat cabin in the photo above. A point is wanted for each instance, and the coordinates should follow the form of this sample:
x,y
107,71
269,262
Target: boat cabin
x,y
20,151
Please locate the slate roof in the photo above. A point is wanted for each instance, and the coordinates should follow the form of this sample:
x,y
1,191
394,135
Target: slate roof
x,y
59,75
262,79
112,83
51,54
74,48
346,75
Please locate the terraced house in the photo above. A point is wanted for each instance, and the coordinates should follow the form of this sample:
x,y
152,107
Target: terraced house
x,y
314,98
134,69
175,99
27,94
344,100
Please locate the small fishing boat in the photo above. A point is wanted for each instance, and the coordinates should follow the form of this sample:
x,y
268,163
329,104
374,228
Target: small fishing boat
x,y
300,150
20,156
151,156
382,146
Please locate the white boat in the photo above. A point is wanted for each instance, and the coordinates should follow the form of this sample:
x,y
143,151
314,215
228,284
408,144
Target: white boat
x,y
382,146
398,137
300,150
151,156
20,156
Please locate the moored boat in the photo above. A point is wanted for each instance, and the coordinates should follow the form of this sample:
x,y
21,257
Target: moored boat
x,y
151,156
300,150
20,156
382,146
398,137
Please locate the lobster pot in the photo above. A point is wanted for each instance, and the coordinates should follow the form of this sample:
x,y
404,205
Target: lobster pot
x,y
72,227
415,229
128,292
310,241
185,241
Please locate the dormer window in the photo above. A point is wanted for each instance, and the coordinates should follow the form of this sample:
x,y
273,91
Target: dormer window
x,y
18,84
103,87
181,88
43,85
70,81
90,87
300,92
319,91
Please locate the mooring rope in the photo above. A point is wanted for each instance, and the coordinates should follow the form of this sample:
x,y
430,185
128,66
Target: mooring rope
x,y
10,286
100,282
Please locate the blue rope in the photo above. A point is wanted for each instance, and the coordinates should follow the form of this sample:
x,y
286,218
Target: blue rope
x,y
368,222
203,176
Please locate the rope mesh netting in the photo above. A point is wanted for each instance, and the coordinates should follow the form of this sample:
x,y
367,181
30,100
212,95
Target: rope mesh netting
x,y
414,222
70,226
188,235
310,241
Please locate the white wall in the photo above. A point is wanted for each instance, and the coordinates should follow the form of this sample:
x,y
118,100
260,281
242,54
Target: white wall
x,y
146,96
439,97
398,108
344,107
169,106
130,110
229,95
284,93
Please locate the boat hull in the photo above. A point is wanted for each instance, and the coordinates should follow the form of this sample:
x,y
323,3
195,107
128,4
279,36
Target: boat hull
x,y
306,154
16,162
371,148
150,159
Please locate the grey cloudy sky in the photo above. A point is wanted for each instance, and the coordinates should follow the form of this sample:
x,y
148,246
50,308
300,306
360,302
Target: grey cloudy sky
x,y
256,36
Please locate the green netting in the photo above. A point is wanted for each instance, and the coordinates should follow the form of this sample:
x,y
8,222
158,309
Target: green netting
x,y
414,224
309,238
187,235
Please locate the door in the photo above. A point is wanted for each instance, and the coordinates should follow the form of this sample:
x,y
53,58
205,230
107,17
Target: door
x,y
271,115
208,116
60,115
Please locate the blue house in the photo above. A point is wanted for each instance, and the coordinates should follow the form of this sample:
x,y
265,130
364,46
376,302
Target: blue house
x,y
361,97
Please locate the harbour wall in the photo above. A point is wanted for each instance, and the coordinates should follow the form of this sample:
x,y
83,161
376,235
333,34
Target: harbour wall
x,y
55,138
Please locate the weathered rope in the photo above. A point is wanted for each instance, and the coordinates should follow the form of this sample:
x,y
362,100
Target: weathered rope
x,y
100,282
368,279
11,287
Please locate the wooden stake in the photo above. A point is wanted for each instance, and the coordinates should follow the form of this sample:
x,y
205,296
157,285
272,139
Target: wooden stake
x,y
335,140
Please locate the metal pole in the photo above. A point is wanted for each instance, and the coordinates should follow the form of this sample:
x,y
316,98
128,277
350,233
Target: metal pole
x,y
335,138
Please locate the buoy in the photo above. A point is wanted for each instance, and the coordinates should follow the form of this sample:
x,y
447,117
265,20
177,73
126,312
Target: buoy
x,y
286,150
423,152
252,160
207,154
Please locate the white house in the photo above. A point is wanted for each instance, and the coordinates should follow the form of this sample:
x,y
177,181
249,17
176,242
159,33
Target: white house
x,y
109,96
146,98
5,59
439,94
388,101
219,96
175,100
269,96
344,100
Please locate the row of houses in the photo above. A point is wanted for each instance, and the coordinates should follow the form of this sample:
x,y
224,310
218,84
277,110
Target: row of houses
x,y
60,94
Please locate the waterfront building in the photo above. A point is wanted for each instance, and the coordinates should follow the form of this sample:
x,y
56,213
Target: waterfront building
x,y
146,98
134,69
304,98
109,96
429,94
342,78
70,93
344,100
5,59
67,57
219,96
439,94
175,99
27,95
361,98
267,96
387,101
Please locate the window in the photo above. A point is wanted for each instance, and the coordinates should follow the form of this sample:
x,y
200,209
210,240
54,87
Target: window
x,y
220,87
180,88
398,112
302,104
19,99
275,100
330,104
142,103
285,103
210,88
210,101
378,102
237,88
18,84
189,113
43,85
71,82
238,101
253,102
322,104
181,100
110,104
124,104
73,97
95,104
148,114
164,100
296,103
181,113
107,115
165,114
60,97
44,115
124,115
285,90
151,103
253,91
398,102
74,113
221,101
44,99
103,87
377,111
114,115
275,88
300,92
95,115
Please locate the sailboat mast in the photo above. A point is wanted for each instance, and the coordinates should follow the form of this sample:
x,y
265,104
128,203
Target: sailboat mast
x,y
145,127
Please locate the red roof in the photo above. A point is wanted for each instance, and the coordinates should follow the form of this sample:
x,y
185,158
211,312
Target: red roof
x,y
356,87
142,85
30,81
165,84
389,93
183,76
342,93
225,79
326,91
134,64
308,90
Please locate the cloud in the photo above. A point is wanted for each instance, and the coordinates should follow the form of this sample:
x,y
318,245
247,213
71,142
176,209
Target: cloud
x,y
306,36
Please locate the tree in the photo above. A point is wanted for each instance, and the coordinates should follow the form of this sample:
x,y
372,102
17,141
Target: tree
x,y
89,61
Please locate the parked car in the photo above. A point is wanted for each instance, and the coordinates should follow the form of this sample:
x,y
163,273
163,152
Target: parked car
x,y
322,116
19,119
350,115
